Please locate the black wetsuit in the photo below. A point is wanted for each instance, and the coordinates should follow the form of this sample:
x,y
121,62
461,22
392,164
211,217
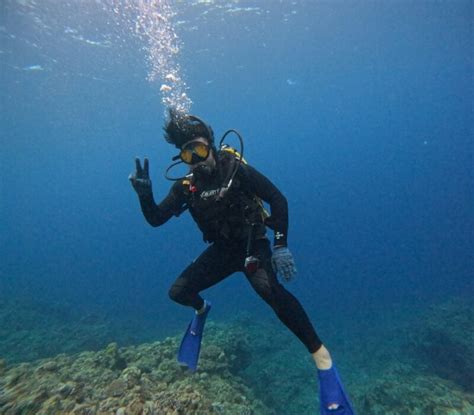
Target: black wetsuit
x,y
225,224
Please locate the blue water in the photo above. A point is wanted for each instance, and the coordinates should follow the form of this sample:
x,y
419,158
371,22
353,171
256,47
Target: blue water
x,y
360,112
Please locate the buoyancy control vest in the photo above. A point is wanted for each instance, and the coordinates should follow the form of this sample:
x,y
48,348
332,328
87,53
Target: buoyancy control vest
x,y
221,213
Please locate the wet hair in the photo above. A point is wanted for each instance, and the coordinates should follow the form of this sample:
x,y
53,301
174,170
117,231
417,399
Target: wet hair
x,y
180,128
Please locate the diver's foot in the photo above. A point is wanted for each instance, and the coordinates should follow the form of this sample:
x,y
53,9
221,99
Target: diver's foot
x,y
322,358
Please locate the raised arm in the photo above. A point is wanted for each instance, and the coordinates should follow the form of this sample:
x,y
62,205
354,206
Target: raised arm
x,y
156,214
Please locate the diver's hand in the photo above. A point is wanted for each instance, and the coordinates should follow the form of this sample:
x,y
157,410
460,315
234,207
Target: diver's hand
x,y
283,263
141,178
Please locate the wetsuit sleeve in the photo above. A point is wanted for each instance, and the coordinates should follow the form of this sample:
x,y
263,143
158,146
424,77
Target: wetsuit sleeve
x,y
270,194
172,204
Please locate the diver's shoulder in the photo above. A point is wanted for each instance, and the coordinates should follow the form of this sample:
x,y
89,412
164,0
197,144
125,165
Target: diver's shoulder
x,y
182,183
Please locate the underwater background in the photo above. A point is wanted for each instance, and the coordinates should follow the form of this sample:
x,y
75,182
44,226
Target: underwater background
x,y
359,111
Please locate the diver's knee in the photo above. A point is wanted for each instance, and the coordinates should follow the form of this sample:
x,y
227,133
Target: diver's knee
x,y
177,294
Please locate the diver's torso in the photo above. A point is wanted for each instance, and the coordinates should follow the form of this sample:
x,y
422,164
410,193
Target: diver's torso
x,y
226,218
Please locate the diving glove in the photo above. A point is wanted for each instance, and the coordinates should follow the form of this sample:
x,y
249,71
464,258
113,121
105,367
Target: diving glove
x,y
283,263
141,178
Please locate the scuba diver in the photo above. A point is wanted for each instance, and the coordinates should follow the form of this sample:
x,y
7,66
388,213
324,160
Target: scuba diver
x,y
224,196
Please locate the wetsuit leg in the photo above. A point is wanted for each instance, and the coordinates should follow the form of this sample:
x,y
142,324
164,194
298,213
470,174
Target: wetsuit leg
x,y
212,266
286,306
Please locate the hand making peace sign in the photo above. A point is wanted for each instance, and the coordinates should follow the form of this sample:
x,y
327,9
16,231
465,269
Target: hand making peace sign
x,y
141,178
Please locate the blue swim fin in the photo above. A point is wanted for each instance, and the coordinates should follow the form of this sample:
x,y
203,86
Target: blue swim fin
x,y
331,391
188,354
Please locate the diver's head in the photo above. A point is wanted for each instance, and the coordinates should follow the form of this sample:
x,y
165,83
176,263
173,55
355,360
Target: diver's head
x,y
195,139
182,128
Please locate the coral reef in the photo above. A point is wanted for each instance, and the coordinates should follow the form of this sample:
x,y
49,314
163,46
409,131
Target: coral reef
x,y
403,366
403,391
143,379
281,372
443,340
378,382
